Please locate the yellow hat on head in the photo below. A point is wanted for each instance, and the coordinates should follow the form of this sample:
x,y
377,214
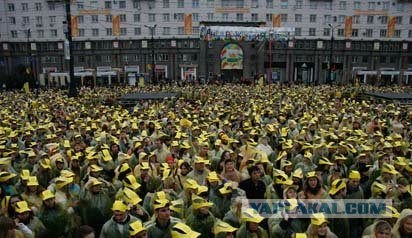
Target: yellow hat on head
x,y
21,207
191,184
119,205
378,188
354,174
311,174
325,161
95,168
318,219
300,235
131,182
199,202
177,205
130,197
136,227
212,177
45,164
298,173
25,174
160,203
96,182
32,181
400,161
5,176
202,189
388,168
66,144
63,181
199,159
251,215
391,212
67,173
181,230
337,185
226,189
222,227
47,194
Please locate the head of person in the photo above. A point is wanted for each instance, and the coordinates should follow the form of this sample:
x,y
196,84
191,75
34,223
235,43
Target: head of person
x,y
252,219
48,199
120,211
85,231
382,229
184,168
7,227
199,163
181,230
224,228
137,230
254,172
354,179
403,226
319,225
338,188
312,182
23,212
161,210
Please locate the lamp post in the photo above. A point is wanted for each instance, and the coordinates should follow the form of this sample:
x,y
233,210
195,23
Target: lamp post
x,y
152,31
329,79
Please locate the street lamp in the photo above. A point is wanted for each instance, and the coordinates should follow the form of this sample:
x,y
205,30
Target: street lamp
x,y
152,31
329,79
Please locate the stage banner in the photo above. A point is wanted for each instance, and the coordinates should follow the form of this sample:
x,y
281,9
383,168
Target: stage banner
x,y
116,25
231,57
348,27
188,24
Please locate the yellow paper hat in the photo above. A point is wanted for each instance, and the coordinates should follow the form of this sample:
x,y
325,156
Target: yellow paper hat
x,y
298,173
5,176
400,161
377,188
191,184
337,185
95,168
63,181
177,205
325,161
318,219
251,215
354,174
388,168
199,202
130,182
181,230
136,227
222,227
300,235
160,203
144,165
131,197
45,164
21,207
32,181
25,174
212,177
311,174
391,212
119,205
47,194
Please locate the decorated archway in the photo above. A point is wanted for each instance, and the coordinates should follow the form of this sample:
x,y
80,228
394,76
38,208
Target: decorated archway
x,y
231,62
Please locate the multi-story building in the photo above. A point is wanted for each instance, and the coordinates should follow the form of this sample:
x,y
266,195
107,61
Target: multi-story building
x,y
372,39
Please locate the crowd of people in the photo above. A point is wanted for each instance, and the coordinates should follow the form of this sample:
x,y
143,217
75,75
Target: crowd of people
x,y
184,167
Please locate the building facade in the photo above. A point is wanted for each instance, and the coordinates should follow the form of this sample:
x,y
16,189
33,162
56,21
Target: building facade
x,y
372,40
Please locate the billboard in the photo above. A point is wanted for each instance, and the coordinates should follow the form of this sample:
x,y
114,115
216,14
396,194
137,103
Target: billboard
x,y
231,57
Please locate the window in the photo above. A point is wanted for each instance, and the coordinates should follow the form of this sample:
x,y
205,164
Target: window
x,y
254,17
312,18
108,4
80,5
95,32
356,19
95,18
179,17
122,17
26,20
81,32
123,31
385,5
371,5
125,58
410,20
298,31
299,4
328,5
355,32
52,6
166,30
52,19
284,4
180,3
312,31
225,3
107,58
342,5
240,3
369,19
136,17
399,7
341,32
255,4
398,20
11,9
225,16
284,17
151,4
298,17
24,7
369,33
13,34
239,16
122,4
410,34
39,21
109,31
152,17
313,5
109,18
38,6
382,33
166,4
210,3
397,33
12,20
384,19
326,31
180,30
327,18
269,17
195,3
166,17
137,31
195,17
40,33
136,4
269,3
210,16
357,5
53,33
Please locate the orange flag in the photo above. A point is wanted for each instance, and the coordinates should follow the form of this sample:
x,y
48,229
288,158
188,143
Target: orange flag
x,y
188,24
75,26
348,27
276,20
116,25
391,26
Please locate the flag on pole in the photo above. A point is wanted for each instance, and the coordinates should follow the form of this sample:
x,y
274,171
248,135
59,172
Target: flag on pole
x,y
348,27
391,26
116,25
276,20
75,26
188,24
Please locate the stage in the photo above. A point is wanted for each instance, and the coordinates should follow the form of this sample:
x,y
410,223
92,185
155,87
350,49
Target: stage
x,y
133,98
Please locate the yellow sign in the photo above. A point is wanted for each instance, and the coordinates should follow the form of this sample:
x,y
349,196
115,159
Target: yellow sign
x,y
188,24
348,27
391,26
75,26
116,25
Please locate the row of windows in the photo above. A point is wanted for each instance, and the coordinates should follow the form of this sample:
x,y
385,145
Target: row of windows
x,y
284,4
367,33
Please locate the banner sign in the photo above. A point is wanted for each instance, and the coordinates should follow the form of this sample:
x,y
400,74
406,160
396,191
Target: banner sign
x,y
242,33
231,57
348,26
